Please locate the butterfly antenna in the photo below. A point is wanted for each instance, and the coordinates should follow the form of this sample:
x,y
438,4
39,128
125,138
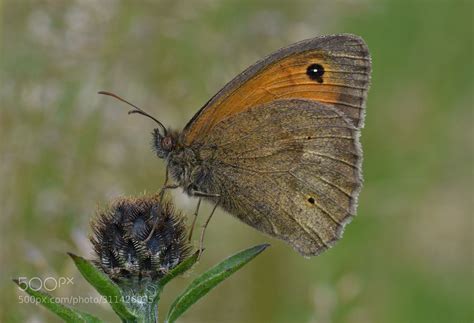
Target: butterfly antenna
x,y
136,109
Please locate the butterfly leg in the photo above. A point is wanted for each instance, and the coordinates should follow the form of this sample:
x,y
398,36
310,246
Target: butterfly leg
x,y
194,219
165,187
204,194
155,224
201,241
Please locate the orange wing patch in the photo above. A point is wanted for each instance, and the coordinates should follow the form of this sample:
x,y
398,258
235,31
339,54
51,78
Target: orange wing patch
x,y
334,70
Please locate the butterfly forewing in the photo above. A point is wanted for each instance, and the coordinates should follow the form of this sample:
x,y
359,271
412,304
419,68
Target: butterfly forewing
x,y
334,70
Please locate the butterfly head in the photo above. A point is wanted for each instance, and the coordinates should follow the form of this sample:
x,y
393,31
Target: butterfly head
x,y
164,142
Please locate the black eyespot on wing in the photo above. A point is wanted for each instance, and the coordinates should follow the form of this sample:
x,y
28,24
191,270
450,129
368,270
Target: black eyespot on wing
x,y
311,200
315,72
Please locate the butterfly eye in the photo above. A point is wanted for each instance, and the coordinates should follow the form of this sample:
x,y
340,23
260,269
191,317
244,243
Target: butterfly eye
x,y
167,143
315,72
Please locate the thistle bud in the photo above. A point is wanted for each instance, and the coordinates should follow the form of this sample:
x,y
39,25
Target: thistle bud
x,y
137,240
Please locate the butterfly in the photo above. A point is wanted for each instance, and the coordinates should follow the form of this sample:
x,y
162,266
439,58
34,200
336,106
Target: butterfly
x,y
278,147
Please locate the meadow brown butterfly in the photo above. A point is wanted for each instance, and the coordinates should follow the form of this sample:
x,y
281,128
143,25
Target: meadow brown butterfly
x,y
278,147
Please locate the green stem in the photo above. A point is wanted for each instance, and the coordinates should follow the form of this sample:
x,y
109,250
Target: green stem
x,y
149,314
144,305
145,314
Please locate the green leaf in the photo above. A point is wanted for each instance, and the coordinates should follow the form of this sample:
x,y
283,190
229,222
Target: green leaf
x,y
104,285
178,270
65,312
210,279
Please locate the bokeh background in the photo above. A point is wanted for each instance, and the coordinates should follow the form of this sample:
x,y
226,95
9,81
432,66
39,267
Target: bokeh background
x,y
408,255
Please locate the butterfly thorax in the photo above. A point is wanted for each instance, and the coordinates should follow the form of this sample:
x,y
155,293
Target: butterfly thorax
x,y
185,164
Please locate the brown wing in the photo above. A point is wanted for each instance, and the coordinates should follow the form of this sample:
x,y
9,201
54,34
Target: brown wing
x,y
290,168
334,70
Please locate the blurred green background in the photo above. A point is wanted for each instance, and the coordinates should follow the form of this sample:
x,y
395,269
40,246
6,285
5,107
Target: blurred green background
x,y
407,256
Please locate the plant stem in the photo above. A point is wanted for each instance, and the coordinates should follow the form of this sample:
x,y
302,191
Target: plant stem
x,y
149,314
143,304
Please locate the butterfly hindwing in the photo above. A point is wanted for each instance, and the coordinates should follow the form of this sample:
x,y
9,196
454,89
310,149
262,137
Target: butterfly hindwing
x,y
290,168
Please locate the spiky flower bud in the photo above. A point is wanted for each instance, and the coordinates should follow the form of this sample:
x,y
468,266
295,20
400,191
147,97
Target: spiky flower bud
x,y
124,249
